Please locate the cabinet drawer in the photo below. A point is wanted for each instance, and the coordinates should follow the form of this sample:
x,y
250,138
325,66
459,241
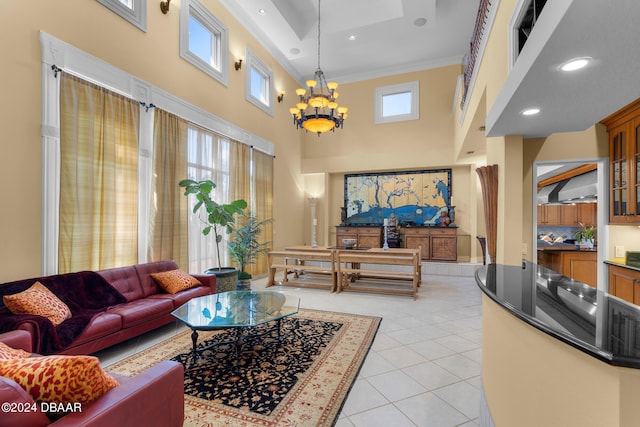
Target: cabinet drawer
x,y
417,231
347,230
443,231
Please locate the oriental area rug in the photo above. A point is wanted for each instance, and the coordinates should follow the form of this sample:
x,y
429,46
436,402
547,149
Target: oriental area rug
x,y
303,380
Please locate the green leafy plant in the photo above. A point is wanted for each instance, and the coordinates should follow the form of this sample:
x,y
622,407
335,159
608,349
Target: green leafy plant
x,y
586,233
244,246
219,216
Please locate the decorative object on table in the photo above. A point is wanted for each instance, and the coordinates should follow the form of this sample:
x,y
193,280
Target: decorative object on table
x,y
219,216
343,215
318,111
444,219
245,246
385,246
349,243
585,236
216,394
452,216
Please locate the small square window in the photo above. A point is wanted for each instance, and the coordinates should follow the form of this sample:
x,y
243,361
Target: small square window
x,y
204,40
397,103
258,83
134,11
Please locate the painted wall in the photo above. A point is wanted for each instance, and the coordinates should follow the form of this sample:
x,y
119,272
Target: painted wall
x,y
153,57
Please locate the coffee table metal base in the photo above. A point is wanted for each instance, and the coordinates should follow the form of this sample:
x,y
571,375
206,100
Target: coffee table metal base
x,y
238,341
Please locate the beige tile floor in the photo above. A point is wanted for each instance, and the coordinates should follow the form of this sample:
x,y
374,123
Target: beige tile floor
x,y
424,366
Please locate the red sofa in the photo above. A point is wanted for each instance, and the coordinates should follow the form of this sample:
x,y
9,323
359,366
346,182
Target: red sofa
x,y
102,317
154,397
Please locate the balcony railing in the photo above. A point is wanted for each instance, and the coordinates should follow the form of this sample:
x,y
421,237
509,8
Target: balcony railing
x,y
476,39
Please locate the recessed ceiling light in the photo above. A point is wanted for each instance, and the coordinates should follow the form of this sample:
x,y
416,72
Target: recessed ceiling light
x,y
530,111
261,11
420,22
575,64
352,37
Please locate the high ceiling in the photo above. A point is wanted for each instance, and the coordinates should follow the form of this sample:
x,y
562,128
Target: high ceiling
x,y
391,36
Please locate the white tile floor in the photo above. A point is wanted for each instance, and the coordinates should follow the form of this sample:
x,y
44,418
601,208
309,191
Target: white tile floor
x,y
424,366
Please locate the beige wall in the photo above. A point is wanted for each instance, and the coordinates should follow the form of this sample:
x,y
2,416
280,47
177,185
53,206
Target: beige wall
x,y
537,380
151,56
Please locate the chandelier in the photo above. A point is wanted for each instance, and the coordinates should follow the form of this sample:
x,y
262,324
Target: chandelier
x,y
317,110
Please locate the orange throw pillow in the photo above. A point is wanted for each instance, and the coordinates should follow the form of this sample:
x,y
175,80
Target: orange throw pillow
x,y
7,352
59,379
38,300
174,281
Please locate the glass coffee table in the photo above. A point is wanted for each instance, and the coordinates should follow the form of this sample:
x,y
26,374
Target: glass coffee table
x,y
237,310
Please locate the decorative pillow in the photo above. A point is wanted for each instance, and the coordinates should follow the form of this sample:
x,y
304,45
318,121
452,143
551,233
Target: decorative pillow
x,y
7,352
59,379
38,300
174,281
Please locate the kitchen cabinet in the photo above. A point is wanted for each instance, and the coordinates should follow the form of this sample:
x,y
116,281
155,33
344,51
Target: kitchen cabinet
x,y
587,213
624,158
435,243
578,265
567,215
625,283
366,237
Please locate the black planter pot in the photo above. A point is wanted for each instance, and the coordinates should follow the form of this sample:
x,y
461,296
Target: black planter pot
x,y
226,278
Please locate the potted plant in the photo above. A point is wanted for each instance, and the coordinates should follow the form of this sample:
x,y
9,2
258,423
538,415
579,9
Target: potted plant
x,y
219,216
585,236
244,246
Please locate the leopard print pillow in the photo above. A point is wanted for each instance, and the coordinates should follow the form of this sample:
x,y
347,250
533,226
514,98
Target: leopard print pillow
x,y
59,379
174,281
38,300
7,352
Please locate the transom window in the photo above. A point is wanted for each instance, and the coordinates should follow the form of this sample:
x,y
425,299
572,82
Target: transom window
x,y
134,11
204,40
397,103
258,83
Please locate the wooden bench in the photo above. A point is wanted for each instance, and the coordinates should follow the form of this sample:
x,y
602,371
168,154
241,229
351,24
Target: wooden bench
x,y
349,270
295,262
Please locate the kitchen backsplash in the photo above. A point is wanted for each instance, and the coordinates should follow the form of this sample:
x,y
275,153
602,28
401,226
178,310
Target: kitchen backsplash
x,y
555,232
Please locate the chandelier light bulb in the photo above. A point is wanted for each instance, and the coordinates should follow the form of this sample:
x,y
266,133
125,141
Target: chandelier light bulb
x,y
311,83
332,85
300,91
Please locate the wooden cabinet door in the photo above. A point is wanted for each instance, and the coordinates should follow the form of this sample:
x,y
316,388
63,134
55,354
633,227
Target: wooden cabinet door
x,y
370,237
587,213
418,242
345,233
619,170
621,283
581,266
444,244
569,215
552,214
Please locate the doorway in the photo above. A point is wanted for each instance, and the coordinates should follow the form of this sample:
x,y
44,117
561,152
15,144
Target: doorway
x,y
553,195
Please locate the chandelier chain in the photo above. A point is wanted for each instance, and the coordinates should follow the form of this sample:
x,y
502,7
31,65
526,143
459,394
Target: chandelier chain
x,y
318,34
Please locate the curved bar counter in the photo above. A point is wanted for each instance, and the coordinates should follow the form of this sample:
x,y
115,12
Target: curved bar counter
x,y
556,352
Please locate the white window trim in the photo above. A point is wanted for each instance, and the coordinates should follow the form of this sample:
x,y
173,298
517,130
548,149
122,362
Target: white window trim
x,y
252,60
136,16
382,91
77,62
213,24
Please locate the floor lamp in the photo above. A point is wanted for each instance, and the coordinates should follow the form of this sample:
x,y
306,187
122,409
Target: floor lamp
x,y
314,222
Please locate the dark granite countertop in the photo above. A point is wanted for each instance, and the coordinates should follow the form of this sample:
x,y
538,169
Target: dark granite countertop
x,y
590,320
619,262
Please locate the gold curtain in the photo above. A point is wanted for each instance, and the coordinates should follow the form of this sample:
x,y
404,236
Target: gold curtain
x,y
240,172
263,209
98,177
168,219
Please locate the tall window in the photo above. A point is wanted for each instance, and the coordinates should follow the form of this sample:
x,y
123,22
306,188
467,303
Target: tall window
x,y
259,83
98,177
204,40
134,11
207,158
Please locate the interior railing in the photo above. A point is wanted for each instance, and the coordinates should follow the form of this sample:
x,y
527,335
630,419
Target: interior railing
x,y
476,39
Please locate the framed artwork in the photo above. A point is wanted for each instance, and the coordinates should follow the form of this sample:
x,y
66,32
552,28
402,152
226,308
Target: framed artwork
x,y
415,197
